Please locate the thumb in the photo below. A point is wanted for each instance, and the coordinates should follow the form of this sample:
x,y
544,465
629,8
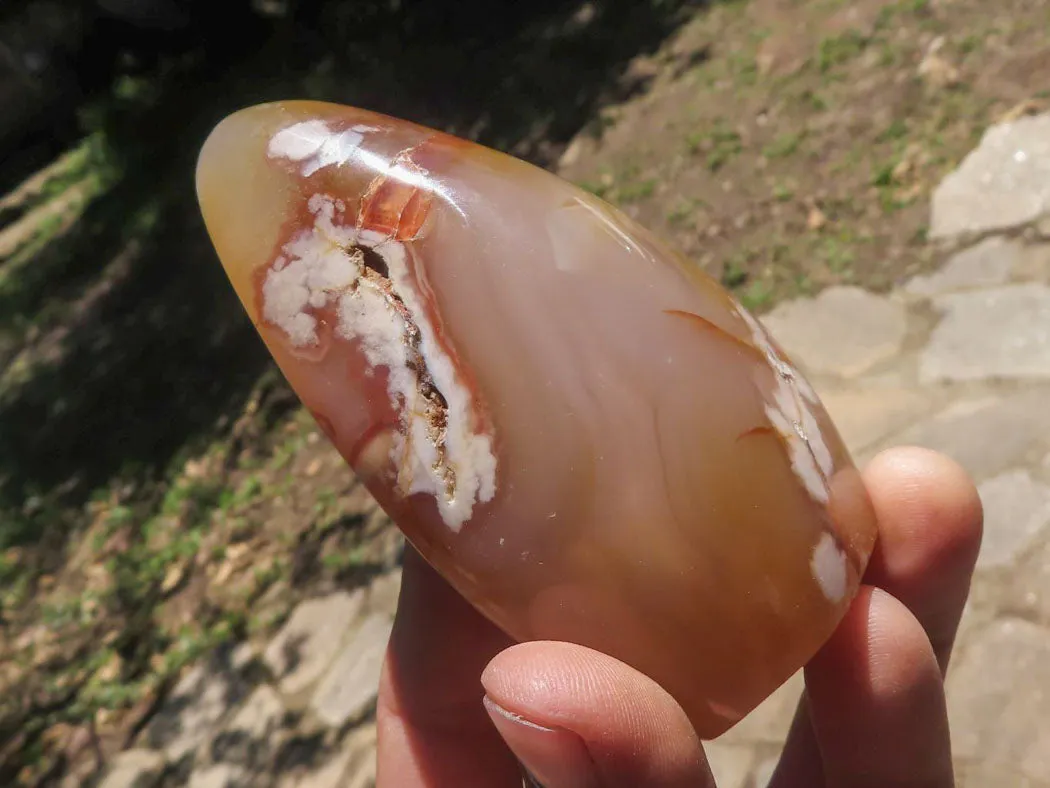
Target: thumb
x,y
577,718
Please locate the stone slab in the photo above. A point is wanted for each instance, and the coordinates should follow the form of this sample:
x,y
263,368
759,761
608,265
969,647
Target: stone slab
x,y
999,698
764,771
138,768
986,435
362,743
844,331
770,722
219,775
349,688
730,763
1034,265
866,416
990,334
300,653
987,264
977,774
1004,183
1016,511
251,735
352,765
191,714
383,593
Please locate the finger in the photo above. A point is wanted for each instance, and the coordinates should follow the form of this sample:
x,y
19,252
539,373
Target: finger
x,y
930,525
876,699
432,724
580,719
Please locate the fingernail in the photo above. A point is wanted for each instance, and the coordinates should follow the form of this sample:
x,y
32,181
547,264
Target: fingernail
x,y
550,757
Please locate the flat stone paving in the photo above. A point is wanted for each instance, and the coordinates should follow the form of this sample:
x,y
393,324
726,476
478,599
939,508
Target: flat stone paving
x,y
958,361
295,714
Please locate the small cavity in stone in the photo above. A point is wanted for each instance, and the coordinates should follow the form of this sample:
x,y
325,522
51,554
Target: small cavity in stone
x,y
371,259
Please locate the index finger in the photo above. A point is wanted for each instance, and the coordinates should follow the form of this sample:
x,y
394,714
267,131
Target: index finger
x,y
432,724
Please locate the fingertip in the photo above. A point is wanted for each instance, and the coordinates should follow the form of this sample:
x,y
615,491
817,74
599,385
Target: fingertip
x,y
877,699
527,676
633,730
927,501
555,758
877,650
563,684
930,529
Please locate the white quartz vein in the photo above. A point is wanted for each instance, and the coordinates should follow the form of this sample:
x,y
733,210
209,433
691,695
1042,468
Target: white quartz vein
x,y
792,412
322,266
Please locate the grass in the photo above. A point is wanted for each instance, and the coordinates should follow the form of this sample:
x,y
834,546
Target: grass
x,y
718,146
839,257
626,185
757,296
766,145
785,145
680,213
637,191
599,188
783,192
834,51
895,131
734,273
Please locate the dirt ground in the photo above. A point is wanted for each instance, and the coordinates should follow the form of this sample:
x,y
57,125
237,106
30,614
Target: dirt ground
x,y
787,146
784,145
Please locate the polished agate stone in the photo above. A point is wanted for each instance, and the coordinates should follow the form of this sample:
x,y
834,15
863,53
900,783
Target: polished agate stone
x,y
588,438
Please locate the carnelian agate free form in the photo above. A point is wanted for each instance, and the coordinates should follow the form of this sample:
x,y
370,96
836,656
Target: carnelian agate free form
x,y
591,440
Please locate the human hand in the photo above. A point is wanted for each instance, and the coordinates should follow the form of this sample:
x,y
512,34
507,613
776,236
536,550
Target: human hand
x,y
458,700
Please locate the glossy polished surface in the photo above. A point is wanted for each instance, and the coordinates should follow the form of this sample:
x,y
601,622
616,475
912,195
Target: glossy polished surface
x,y
588,438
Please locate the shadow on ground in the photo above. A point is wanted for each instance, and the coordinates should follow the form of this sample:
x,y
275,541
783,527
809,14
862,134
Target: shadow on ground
x,y
128,342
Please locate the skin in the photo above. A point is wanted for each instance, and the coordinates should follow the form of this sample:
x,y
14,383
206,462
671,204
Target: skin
x,y
461,705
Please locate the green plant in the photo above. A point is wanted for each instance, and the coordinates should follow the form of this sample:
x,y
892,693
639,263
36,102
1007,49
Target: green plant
x,y
637,191
757,295
721,144
783,192
733,273
784,145
833,51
